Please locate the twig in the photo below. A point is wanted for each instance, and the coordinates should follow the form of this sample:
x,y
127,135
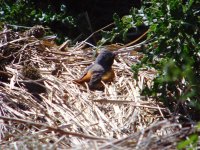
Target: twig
x,y
8,74
14,41
136,47
160,112
61,131
155,126
17,26
92,35
7,31
140,140
133,42
126,102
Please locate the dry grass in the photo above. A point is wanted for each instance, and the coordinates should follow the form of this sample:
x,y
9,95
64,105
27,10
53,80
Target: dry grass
x,y
70,115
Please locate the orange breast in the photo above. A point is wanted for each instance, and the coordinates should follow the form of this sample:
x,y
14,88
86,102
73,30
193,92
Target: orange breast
x,y
108,76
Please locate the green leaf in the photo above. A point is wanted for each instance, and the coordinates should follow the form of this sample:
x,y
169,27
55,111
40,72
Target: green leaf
x,y
189,143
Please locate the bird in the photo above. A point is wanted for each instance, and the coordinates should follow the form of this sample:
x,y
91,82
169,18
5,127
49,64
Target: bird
x,y
100,70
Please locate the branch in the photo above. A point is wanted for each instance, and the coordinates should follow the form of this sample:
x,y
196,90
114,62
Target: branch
x,y
14,41
61,131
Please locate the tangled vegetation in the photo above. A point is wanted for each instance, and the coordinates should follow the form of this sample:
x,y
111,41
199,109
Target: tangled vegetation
x,y
168,72
173,50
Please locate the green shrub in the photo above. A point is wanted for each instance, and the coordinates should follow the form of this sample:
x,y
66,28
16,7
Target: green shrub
x,y
174,51
175,28
191,142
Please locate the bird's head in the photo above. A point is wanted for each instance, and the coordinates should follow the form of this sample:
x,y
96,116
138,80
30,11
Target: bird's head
x,y
105,58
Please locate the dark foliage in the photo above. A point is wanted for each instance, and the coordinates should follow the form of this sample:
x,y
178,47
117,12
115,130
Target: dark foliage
x,y
67,18
173,51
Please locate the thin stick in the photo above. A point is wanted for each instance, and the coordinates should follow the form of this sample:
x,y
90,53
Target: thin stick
x,y
4,32
133,42
136,47
92,35
17,26
14,41
126,102
42,125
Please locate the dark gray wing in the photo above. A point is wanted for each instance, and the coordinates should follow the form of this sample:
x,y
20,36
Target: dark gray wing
x,y
95,81
86,70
